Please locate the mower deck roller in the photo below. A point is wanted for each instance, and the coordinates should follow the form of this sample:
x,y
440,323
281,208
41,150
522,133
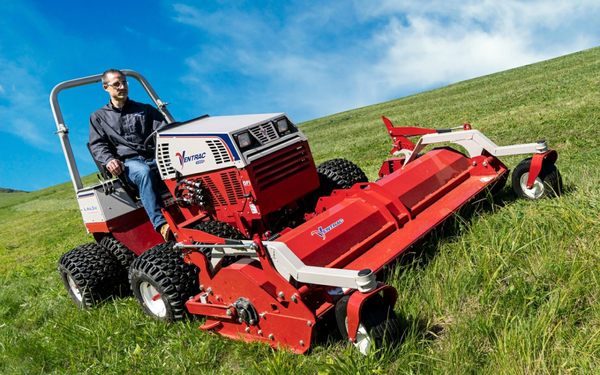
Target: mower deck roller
x,y
268,245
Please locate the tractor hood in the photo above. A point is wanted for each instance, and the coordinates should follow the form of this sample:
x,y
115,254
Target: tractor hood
x,y
220,124
210,143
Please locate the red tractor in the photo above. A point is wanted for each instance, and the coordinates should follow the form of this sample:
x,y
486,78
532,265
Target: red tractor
x,y
268,246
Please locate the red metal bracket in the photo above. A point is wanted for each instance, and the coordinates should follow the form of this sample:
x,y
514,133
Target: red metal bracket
x,y
213,310
357,299
399,135
390,165
536,165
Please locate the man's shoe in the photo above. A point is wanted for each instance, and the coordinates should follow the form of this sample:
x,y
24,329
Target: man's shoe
x,y
165,232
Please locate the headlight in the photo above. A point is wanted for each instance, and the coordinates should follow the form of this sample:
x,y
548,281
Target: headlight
x,y
244,139
282,126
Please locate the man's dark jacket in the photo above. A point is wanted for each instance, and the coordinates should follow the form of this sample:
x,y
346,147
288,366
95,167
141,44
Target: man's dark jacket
x,y
120,133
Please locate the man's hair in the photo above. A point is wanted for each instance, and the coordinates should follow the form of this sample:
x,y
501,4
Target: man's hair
x,y
112,70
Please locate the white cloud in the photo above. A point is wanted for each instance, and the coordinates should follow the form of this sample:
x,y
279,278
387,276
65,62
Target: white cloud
x,y
23,104
449,43
392,48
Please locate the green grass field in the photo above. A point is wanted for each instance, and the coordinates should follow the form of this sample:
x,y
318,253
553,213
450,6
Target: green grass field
x,y
512,288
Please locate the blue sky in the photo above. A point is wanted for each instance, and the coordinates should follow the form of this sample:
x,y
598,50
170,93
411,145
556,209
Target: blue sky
x,y
306,58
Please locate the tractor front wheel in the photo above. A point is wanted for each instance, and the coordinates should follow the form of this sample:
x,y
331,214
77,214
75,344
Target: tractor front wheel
x,y
162,282
547,184
339,174
220,229
378,324
90,273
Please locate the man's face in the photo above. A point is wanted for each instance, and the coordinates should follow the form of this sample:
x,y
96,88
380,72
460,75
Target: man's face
x,y
116,86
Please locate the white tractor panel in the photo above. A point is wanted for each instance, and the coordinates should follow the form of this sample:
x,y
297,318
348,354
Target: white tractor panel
x,y
198,154
97,207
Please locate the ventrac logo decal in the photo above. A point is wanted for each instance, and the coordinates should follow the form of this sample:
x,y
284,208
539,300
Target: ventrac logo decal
x,y
264,133
198,158
322,232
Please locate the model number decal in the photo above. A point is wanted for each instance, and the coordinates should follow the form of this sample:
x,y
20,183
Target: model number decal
x,y
89,209
322,231
198,158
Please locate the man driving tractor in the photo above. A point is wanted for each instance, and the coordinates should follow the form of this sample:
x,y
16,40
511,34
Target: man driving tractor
x,y
117,134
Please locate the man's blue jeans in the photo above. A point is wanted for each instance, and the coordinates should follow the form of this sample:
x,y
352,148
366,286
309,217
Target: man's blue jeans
x,y
143,173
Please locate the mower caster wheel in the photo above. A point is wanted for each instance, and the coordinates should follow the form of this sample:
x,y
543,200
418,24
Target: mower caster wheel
x,y
547,184
339,174
162,282
91,274
379,324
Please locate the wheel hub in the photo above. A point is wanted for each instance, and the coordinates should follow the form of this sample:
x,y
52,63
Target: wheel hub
x,y
152,299
74,288
536,191
363,340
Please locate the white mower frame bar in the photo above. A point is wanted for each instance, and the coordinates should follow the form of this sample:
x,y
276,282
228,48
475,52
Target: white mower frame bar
x,y
474,142
289,266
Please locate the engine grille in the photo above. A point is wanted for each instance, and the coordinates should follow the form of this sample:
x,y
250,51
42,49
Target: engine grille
x,y
264,133
232,188
269,171
219,151
164,162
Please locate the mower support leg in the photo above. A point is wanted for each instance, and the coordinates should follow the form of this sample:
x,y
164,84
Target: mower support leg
x,y
356,301
536,165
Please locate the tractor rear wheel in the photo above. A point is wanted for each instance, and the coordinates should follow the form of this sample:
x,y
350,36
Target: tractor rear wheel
x,y
124,257
91,274
123,254
378,325
162,282
547,184
339,174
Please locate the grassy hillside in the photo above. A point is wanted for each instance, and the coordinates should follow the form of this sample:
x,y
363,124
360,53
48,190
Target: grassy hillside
x,y
513,288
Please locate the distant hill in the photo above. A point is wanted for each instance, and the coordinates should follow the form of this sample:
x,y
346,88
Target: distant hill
x,y
6,190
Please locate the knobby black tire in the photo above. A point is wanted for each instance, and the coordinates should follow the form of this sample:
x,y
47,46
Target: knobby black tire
x,y
123,254
549,176
164,268
221,229
95,272
125,257
338,174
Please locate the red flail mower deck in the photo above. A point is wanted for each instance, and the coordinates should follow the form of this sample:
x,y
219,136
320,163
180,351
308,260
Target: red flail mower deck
x,y
279,289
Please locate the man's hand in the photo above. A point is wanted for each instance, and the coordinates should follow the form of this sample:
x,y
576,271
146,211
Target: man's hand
x,y
115,167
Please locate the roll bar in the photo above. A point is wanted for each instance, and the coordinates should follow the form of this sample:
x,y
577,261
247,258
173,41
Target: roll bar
x,y
62,129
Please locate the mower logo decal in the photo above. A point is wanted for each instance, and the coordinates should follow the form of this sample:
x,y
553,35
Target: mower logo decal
x,y
198,158
322,232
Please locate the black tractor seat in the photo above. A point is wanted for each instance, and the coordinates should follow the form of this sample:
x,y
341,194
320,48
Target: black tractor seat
x,y
105,175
